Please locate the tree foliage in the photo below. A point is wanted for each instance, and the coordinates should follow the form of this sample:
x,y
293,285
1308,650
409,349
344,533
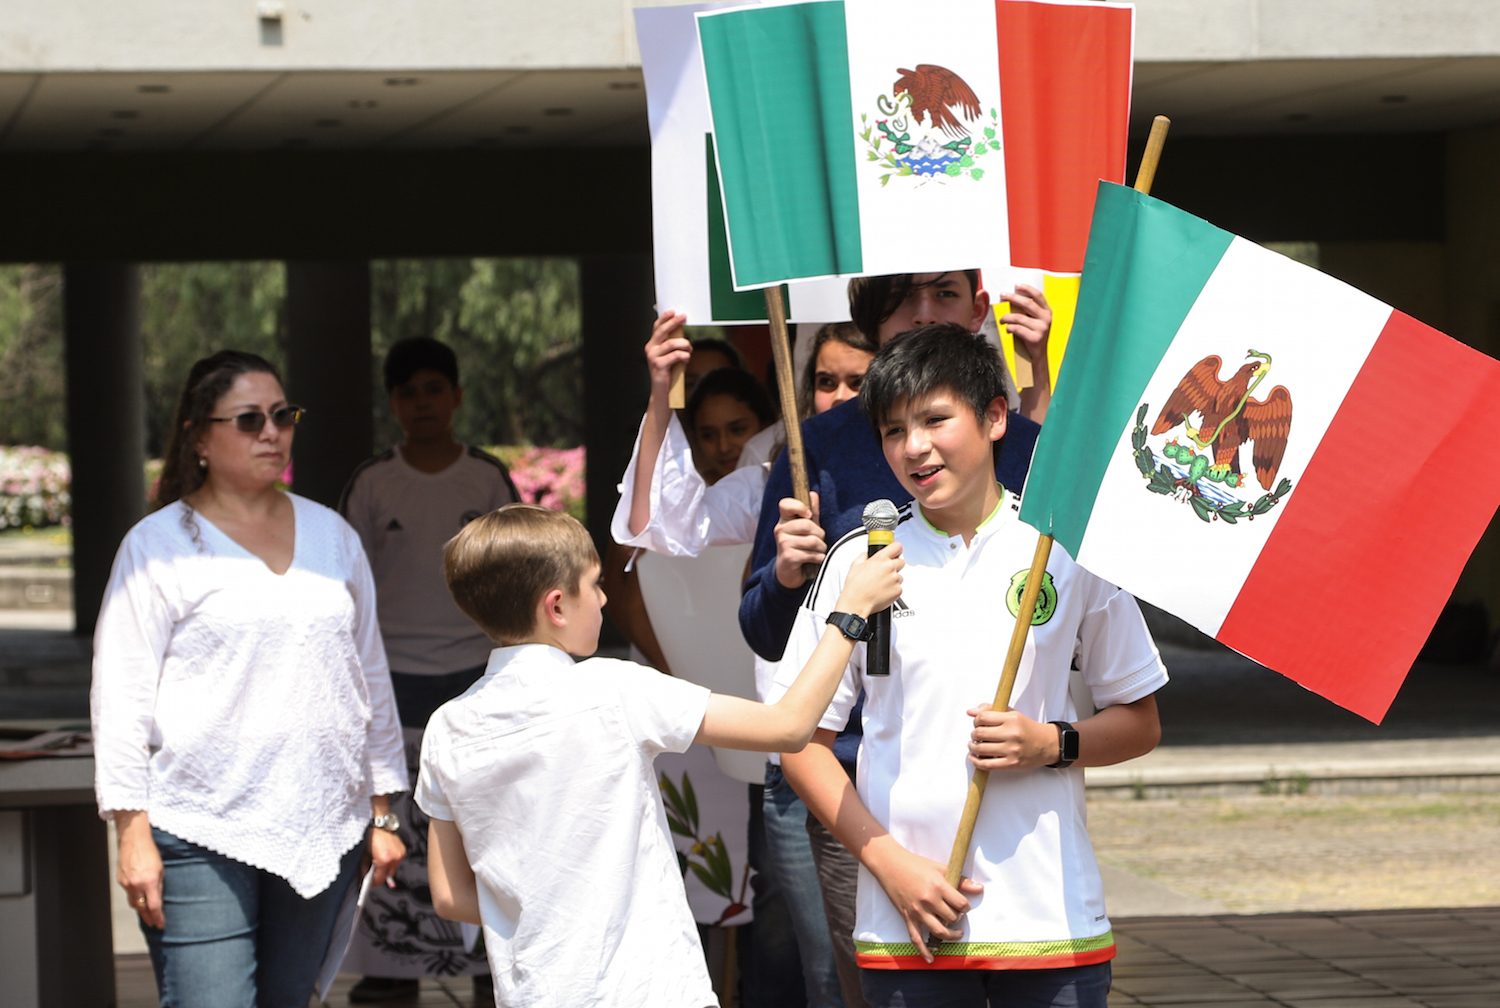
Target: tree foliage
x,y
514,324
192,310
33,409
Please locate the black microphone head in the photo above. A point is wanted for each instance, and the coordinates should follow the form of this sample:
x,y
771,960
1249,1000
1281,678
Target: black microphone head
x,y
881,516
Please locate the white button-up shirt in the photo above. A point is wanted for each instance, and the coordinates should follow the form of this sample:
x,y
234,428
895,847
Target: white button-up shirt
x,y
245,711
545,766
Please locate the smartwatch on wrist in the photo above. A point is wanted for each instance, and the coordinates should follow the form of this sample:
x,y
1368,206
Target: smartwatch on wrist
x,y
387,822
1067,745
851,626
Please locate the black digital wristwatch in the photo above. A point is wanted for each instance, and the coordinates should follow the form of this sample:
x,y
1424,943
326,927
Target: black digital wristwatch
x,y
854,627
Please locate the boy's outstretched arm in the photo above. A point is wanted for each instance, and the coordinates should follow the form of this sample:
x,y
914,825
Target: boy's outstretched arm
x,y
1009,740
788,724
915,885
666,347
455,894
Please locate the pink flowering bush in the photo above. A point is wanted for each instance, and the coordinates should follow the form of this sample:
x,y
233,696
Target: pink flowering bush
x,y
551,477
33,487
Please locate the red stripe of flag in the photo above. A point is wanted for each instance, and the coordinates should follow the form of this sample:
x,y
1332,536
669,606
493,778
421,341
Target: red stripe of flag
x,y
1065,109
1373,537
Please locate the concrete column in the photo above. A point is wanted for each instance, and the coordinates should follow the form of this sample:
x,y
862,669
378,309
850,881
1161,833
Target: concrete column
x,y
106,421
1472,256
328,373
617,295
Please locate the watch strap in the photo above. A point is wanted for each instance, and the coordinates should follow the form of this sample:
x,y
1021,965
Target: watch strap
x,y
1067,745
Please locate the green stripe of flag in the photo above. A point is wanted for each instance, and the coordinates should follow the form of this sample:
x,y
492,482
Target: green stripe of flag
x,y
778,81
723,299
1146,263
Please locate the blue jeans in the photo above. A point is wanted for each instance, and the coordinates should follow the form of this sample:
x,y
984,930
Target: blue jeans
x,y
237,936
796,873
1070,987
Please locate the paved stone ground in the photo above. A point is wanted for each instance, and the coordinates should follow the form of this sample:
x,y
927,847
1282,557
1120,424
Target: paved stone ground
x,y
1379,959
1382,959
135,987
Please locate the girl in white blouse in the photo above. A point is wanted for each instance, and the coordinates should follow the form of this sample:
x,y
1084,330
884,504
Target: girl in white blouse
x,y
244,726
665,505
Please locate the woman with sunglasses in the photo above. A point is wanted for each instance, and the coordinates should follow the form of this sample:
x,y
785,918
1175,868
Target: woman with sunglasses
x,y
244,727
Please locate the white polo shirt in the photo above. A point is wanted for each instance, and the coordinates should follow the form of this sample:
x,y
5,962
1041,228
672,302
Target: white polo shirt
x,y
546,768
405,517
1043,903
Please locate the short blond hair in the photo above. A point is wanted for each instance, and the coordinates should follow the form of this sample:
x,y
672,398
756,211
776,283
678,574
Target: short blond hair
x,y
501,564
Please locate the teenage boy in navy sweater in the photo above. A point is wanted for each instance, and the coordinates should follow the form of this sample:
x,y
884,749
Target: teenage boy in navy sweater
x,y
845,468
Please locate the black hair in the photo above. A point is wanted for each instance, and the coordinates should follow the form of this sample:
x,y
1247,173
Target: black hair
x,y
874,299
916,362
419,353
846,333
207,382
738,384
714,345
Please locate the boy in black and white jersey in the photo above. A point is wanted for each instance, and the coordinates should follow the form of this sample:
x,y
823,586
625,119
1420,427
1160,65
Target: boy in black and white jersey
x,y
1028,924
406,503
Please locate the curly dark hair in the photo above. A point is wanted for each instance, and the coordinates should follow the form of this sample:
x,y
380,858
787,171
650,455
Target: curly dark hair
x,y
206,383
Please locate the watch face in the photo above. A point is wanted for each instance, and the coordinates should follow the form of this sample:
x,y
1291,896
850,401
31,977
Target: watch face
x,y
849,624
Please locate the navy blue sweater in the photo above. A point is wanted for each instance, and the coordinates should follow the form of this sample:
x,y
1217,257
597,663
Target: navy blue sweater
x,y
848,470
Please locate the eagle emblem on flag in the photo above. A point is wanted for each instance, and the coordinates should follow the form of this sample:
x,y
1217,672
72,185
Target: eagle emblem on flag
x,y
933,128
1218,417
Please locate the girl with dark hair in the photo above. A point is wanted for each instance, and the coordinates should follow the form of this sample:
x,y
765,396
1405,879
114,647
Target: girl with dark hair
x,y
727,408
668,510
244,728
835,367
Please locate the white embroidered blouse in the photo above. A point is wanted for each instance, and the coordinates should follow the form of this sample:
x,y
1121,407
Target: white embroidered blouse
x,y
247,712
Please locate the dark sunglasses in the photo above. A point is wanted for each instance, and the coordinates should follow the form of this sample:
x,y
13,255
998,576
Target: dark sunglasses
x,y
253,421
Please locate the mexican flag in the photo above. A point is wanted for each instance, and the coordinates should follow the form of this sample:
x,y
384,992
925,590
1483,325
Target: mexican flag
x,y
688,234
1270,454
870,137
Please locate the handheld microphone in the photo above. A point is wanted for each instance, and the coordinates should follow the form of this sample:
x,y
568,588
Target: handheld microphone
x,y
880,520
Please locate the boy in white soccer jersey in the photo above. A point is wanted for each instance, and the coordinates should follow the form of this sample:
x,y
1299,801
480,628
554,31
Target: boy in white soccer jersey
x,y
406,503
1027,926
546,823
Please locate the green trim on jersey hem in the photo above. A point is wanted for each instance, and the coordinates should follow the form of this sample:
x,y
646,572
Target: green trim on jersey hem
x,y
993,950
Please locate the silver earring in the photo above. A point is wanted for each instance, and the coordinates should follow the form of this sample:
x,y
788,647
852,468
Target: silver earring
x,y
202,463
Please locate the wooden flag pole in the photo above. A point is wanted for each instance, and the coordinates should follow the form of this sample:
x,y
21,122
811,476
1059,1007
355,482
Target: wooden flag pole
x,y
781,353
677,391
1034,578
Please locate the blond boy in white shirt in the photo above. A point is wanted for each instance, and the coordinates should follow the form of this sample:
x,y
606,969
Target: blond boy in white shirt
x,y
547,827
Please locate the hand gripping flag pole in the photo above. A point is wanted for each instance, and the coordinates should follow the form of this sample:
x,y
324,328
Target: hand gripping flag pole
x,y
1034,578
